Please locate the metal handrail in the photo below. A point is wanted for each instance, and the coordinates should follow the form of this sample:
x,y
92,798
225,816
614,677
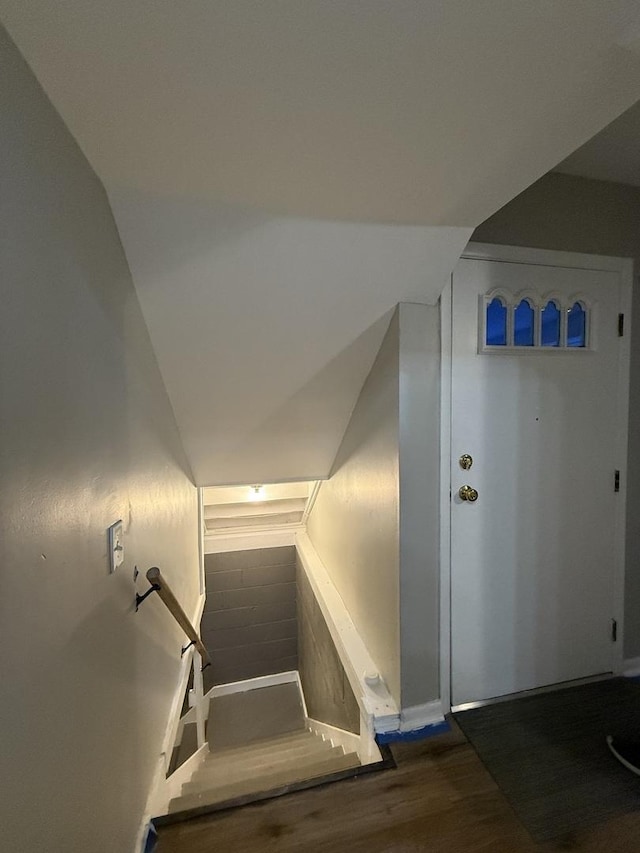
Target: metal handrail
x,y
159,585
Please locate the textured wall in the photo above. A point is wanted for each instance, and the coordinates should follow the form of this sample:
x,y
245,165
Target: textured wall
x,y
574,214
327,691
354,522
88,437
249,624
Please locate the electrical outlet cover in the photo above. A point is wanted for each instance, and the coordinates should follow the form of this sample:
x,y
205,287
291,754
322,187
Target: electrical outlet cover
x,y
116,545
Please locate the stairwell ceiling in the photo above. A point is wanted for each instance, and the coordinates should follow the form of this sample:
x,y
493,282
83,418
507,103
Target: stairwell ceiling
x,y
385,110
283,172
612,155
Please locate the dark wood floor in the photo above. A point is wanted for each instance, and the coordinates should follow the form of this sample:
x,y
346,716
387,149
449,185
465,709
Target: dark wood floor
x,y
440,799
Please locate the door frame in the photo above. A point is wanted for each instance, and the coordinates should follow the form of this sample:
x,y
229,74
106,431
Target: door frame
x,y
538,257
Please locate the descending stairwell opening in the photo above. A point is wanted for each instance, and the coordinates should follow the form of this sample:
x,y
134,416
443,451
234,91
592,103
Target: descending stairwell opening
x,y
281,712
261,744
249,625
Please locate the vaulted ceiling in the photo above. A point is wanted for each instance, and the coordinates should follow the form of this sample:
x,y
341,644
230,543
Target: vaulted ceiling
x,y
283,172
611,155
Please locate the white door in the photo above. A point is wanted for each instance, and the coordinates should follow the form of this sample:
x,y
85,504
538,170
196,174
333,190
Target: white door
x,y
533,558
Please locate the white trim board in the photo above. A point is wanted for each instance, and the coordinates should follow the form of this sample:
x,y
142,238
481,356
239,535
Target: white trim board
x,y
446,320
254,683
368,753
622,453
201,535
545,257
419,716
242,687
243,541
172,785
311,501
539,257
375,701
174,721
631,667
159,779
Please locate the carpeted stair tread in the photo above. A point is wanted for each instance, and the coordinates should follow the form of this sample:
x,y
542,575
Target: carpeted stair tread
x,y
288,774
212,772
254,715
284,741
246,763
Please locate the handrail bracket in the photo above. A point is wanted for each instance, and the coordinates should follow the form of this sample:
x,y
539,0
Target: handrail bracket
x,y
186,648
140,598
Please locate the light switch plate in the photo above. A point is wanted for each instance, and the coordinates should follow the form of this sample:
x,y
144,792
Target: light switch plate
x,y
116,545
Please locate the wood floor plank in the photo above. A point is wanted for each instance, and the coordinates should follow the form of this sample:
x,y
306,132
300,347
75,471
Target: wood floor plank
x,y
440,799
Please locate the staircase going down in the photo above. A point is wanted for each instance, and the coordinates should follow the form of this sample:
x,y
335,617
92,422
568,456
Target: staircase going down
x,y
259,745
264,766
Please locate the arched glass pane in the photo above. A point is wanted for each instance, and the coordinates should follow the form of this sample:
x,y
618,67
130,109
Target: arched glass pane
x,y
496,335
550,325
576,326
523,325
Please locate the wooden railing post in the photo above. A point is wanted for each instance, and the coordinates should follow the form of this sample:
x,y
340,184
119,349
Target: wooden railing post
x,y
198,691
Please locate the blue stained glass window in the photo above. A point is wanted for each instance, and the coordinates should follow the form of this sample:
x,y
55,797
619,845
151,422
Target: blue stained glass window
x,y
576,326
523,325
496,335
550,325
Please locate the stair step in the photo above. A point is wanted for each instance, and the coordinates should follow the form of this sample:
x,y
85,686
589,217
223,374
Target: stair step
x,y
265,745
248,757
264,711
267,782
211,773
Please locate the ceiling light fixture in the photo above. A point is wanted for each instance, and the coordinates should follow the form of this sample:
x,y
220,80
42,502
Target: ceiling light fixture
x,y
256,493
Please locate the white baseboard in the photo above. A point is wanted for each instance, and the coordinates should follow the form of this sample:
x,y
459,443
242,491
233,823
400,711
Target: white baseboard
x,y
631,667
418,716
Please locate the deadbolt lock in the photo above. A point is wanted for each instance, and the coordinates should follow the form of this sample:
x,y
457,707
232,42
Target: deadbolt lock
x,y
466,461
466,493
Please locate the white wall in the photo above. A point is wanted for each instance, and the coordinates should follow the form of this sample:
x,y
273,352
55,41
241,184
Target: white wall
x,y
419,502
88,437
400,111
375,523
265,327
574,214
354,522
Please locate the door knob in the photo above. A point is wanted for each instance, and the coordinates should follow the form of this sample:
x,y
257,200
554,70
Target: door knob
x,y
466,493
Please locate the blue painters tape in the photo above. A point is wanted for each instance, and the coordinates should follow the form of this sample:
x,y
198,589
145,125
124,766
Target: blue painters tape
x,y
417,734
151,839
